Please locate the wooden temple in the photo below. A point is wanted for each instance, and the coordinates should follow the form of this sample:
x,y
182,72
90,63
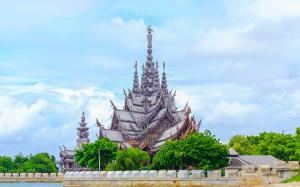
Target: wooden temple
x,y
149,117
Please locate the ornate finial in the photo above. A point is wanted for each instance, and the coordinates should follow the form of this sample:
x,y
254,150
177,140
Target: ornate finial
x,y
124,92
135,66
164,84
136,84
186,105
156,81
82,118
149,45
113,105
149,29
98,123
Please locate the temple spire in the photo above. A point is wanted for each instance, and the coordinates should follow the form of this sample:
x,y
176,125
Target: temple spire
x,y
82,133
156,77
164,84
136,84
149,72
149,45
143,78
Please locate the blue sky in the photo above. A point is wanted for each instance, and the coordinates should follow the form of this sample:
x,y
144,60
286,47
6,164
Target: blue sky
x,y
235,61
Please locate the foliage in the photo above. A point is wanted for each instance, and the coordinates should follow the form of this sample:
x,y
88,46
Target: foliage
x,y
170,156
298,131
200,150
129,159
41,162
88,156
282,146
6,164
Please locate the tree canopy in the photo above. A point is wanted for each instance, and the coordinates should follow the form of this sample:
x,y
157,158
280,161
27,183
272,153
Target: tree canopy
x,y
129,159
41,162
200,150
282,146
88,156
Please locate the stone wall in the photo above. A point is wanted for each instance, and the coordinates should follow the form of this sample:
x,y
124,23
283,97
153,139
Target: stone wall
x,y
166,178
32,177
248,176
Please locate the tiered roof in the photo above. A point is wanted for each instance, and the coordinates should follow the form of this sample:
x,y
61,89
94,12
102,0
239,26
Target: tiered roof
x,y
83,134
67,162
149,116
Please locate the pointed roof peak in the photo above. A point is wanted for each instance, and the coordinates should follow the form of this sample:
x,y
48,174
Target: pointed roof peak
x,y
135,66
149,29
136,83
82,121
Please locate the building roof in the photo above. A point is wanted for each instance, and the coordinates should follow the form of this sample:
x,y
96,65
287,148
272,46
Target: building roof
x,y
259,159
150,116
232,152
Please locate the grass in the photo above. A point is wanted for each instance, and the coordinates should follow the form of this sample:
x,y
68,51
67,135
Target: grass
x,y
295,178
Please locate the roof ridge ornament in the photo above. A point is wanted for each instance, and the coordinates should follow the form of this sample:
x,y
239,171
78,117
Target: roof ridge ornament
x,y
113,105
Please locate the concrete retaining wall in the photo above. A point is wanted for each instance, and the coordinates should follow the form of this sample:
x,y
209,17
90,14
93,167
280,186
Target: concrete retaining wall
x,y
168,178
31,177
248,176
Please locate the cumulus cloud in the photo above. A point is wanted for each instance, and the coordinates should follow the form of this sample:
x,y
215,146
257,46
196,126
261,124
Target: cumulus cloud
x,y
231,111
228,42
17,115
45,116
237,68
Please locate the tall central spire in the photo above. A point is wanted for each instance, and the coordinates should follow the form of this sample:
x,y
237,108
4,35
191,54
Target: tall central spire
x,y
149,73
149,45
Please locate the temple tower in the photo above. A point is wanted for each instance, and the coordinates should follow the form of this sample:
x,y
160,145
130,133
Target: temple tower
x,y
149,72
82,133
149,116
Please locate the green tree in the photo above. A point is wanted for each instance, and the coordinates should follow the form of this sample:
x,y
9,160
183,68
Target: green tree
x,y
20,160
6,164
200,150
204,151
170,156
89,154
41,162
129,159
244,145
298,131
282,146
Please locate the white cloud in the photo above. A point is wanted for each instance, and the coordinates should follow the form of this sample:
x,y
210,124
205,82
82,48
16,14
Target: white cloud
x,y
45,117
24,15
16,115
232,111
274,10
228,42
